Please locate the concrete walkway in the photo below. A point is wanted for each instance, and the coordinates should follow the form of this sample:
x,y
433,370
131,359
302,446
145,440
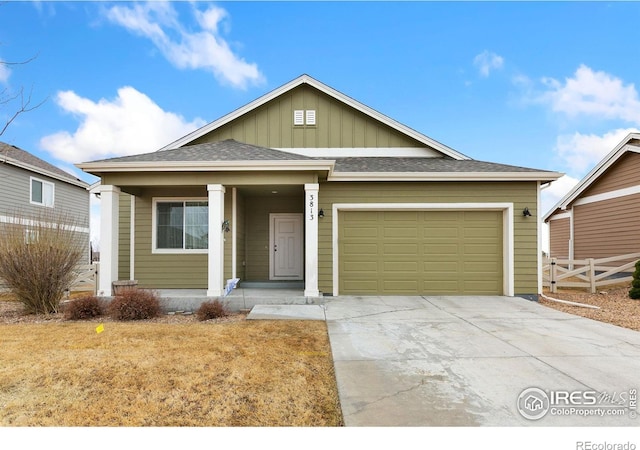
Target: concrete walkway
x,y
465,361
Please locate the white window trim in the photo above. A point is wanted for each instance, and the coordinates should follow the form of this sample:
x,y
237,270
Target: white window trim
x,y
53,192
507,224
169,251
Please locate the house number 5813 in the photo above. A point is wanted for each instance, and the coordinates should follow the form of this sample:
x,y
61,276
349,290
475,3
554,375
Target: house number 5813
x,y
311,203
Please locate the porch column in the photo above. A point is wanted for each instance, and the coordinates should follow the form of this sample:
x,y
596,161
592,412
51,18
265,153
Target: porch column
x,y
311,240
216,240
109,231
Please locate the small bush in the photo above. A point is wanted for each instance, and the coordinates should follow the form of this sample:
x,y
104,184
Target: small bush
x,y
83,308
135,304
212,310
634,293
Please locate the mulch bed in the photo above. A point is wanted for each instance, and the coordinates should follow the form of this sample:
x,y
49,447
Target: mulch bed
x,y
615,305
12,311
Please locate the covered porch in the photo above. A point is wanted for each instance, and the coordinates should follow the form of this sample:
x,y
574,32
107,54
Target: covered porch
x,y
265,233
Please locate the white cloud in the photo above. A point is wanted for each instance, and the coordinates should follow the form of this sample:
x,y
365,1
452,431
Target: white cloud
x,y
488,61
556,191
203,49
581,152
129,124
4,72
594,93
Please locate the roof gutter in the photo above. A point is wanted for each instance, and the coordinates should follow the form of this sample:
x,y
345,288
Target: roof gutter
x,y
206,166
445,176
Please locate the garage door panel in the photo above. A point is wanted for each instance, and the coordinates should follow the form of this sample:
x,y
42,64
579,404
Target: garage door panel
x,y
362,232
441,266
435,250
401,286
364,287
404,267
435,234
421,252
361,249
355,267
401,232
400,249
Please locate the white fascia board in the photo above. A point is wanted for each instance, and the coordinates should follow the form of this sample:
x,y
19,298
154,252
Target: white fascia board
x,y
44,172
444,176
595,173
564,215
329,91
367,152
207,166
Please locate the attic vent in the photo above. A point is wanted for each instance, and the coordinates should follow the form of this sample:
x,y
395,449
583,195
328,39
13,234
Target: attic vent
x,y
311,116
298,117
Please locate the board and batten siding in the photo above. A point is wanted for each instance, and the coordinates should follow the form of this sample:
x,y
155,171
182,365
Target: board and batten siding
x,y
607,228
624,173
521,194
337,125
69,200
559,236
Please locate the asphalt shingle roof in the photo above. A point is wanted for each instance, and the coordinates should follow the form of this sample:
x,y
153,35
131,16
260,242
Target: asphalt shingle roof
x,y
231,150
228,150
17,154
391,164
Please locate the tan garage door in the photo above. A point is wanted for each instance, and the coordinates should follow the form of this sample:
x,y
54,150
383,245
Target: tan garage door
x,y
420,252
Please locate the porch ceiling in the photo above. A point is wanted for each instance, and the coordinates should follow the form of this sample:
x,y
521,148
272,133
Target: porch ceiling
x,y
271,190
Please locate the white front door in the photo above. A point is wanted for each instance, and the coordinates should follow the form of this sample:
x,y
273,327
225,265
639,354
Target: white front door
x,y
286,252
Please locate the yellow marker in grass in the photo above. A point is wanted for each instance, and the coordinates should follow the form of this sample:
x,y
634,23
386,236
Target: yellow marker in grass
x,y
100,328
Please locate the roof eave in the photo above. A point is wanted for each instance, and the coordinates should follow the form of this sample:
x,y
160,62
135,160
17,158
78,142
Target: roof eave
x,y
329,91
594,174
206,166
445,176
44,172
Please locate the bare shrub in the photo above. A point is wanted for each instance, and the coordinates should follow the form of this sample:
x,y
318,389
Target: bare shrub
x,y
83,308
135,304
38,255
212,310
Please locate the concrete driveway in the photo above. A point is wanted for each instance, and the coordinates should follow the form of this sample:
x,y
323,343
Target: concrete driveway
x,y
465,361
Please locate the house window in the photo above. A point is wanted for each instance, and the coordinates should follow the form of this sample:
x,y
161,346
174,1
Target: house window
x,y
181,226
42,192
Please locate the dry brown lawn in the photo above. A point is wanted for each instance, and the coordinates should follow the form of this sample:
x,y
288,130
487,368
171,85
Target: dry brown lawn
x,y
615,305
172,371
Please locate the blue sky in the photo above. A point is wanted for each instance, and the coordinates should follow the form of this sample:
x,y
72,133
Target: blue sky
x,y
548,85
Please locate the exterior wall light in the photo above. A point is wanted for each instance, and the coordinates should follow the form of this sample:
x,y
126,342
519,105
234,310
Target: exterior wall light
x,y
321,213
526,212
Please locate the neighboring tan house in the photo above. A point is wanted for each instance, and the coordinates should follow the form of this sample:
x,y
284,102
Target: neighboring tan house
x,y
31,187
306,183
600,216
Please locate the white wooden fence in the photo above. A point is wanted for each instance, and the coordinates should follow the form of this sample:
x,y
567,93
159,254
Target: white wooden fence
x,y
86,279
589,274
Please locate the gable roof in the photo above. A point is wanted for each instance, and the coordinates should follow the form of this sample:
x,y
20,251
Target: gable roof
x,y
10,154
624,146
233,155
306,79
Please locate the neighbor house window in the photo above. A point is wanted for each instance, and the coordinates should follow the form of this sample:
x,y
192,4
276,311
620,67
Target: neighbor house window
x,y
181,225
42,192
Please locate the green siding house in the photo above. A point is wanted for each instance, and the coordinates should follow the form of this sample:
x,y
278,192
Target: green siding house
x,y
307,184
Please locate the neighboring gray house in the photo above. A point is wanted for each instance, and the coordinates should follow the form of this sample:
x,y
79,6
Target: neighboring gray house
x,y
29,186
